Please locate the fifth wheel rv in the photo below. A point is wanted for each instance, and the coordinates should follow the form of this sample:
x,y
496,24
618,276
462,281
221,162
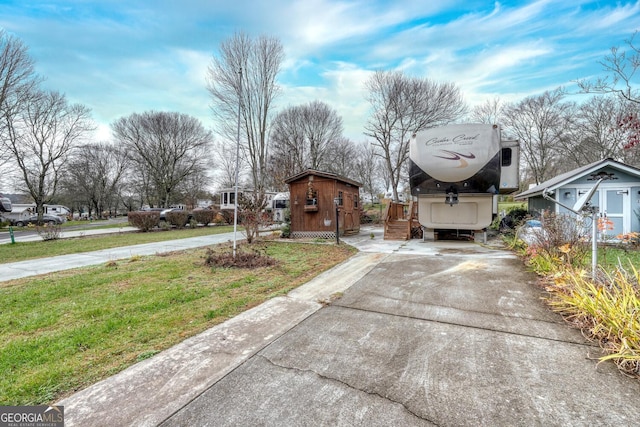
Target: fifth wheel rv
x,y
456,173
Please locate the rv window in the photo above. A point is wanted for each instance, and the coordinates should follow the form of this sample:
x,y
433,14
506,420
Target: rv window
x,y
506,157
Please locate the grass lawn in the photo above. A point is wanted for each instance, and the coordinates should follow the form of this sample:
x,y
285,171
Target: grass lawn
x,y
62,332
21,251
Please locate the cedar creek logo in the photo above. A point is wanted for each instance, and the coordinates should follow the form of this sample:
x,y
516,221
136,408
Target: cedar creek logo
x,y
457,140
32,416
452,155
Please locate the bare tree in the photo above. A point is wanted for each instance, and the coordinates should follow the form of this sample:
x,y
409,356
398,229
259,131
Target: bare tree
x,y
224,154
242,79
490,113
244,76
166,149
323,128
307,136
95,175
194,188
620,68
17,81
41,138
595,132
401,106
288,142
541,124
368,168
341,157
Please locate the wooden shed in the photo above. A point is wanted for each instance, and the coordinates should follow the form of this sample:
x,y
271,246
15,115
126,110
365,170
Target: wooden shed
x,y
313,209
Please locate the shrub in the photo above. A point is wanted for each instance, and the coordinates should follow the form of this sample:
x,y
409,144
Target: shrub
x,y
144,220
227,216
49,232
179,218
512,220
560,237
285,230
204,216
244,258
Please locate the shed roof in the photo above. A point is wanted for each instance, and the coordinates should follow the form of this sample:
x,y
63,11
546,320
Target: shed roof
x,y
568,177
323,175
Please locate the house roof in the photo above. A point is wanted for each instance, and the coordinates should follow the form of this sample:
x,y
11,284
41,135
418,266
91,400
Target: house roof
x,y
323,175
568,177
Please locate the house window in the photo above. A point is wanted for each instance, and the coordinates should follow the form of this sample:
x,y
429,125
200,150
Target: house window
x,y
225,198
355,201
339,198
232,198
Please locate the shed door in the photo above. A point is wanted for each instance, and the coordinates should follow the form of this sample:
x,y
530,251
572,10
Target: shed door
x,y
612,205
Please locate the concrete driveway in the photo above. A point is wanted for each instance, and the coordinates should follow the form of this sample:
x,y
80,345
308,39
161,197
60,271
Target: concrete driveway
x,y
438,333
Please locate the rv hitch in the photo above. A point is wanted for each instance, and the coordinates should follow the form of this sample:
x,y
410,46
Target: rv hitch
x,y
452,197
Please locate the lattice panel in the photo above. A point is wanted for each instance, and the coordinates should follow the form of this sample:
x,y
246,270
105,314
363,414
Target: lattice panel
x,y
313,234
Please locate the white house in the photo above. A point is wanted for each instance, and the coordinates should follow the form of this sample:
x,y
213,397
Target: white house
x,y
227,197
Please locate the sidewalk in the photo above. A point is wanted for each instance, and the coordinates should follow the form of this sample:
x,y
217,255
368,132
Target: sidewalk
x,y
16,270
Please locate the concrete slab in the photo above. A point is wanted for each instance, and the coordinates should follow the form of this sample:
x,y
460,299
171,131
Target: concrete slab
x,y
457,337
345,367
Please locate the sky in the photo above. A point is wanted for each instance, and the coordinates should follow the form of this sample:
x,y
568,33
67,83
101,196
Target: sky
x,y
131,56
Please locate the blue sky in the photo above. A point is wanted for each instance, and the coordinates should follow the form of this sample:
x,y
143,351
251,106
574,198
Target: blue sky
x,y
120,57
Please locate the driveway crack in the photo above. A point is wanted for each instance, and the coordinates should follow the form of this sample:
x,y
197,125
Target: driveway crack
x,y
371,393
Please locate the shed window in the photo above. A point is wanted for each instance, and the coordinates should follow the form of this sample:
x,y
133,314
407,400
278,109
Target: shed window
x,y
339,198
355,201
313,200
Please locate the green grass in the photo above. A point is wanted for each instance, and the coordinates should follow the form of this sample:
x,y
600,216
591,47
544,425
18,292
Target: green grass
x,y
507,206
62,332
21,251
612,257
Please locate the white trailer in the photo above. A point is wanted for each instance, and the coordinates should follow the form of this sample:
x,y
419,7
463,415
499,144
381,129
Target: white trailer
x,y
279,204
21,211
456,173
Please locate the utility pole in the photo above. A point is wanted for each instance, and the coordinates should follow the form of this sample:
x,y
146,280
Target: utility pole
x,y
235,205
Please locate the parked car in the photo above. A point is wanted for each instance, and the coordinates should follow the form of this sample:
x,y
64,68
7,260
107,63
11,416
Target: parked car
x,y
33,219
